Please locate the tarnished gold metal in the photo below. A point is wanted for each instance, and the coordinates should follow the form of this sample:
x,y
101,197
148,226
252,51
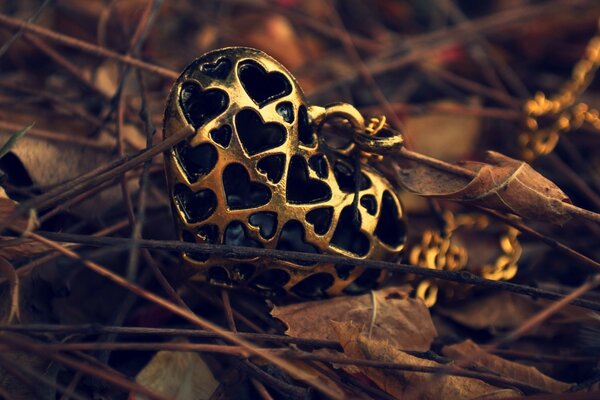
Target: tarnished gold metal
x,y
439,250
561,113
256,173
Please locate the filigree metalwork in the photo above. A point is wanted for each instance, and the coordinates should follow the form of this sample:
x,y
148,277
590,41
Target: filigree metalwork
x,y
257,174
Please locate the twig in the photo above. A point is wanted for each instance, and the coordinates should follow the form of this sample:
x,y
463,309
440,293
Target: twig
x,y
241,252
86,46
96,329
29,346
95,177
182,312
34,378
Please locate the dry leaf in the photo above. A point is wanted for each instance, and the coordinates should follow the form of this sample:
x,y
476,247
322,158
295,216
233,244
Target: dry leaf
x,y
505,368
48,163
400,383
13,313
501,311
7,206
405,322
503,184
14,249
178,375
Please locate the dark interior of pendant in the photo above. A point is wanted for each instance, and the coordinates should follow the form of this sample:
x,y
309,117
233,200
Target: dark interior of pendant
x,y
286,111
347,234
369,202
263,87
345,175
218,276
292,238
196,161
237,235
300,188
221,135
266,222
219,69
365,282
306,136
271,282
272,166
343,271
390,228
314,286
200,106
320,219
255,135
242,272
207,234
196,206
318,163
240,191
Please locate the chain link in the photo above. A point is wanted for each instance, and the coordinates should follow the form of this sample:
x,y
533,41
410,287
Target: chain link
x,y
439,250
546,118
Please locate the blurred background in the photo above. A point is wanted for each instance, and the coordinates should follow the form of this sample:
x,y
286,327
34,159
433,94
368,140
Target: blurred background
x,y
453,75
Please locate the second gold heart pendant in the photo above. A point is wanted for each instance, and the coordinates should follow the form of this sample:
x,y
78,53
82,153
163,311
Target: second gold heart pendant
x,y
257,173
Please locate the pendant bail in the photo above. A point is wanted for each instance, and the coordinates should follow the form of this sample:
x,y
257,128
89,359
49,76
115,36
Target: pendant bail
x,y
375,138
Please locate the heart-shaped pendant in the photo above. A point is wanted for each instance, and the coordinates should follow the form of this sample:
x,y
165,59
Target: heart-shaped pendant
x,y
256,174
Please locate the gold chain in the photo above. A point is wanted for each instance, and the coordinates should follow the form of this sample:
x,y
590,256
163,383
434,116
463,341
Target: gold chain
x,y
438,250
561,109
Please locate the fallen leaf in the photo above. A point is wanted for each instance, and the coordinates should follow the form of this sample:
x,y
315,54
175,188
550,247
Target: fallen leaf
x,y
13,313
502,184
23,223
405,322
178,375
505,368
47,163
14,249
400,383
501,311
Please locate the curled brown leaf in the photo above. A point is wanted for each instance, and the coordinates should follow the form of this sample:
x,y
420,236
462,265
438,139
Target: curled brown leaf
x,y
402,384
387,314
503,184
506,368
13,308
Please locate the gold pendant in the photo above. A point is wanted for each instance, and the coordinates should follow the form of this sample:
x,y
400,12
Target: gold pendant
x,y
256,173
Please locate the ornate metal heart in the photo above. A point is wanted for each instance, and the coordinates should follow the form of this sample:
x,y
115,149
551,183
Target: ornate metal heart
x,y
256,174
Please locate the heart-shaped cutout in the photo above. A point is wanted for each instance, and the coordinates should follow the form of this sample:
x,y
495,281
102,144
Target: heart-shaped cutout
x,y
347,234
266,222
221,135
196,161
196,206
390,228
236,235
272,166
300,188
241,193
219,69
320,219
292,238
345,175
255,135
263,87
200,106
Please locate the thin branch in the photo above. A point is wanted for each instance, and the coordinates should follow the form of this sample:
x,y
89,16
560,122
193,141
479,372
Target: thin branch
x,y
242,252
86,46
